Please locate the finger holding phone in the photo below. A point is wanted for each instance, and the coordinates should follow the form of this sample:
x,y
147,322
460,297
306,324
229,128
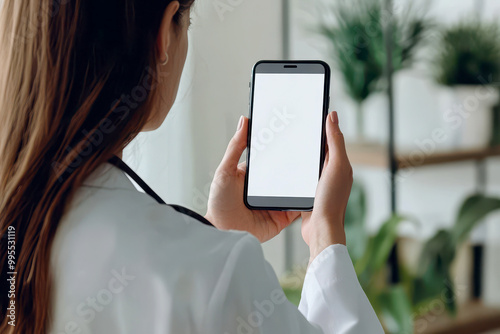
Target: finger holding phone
x,y
226,209
324,226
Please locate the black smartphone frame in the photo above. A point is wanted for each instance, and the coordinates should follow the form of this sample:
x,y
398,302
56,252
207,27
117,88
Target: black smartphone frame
x,y
279,66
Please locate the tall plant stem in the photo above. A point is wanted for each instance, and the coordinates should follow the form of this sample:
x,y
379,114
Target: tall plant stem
x,y
360,123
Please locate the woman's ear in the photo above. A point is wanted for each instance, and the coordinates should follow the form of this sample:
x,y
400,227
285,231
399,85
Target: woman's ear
x,y
167,30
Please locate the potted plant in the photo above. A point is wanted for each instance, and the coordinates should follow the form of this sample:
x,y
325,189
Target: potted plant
x,y
358,45
400,306
468,61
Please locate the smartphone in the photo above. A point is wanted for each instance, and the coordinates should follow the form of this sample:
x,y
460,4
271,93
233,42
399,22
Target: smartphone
x,y
289,103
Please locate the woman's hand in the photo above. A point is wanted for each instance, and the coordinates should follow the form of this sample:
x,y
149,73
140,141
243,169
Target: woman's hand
x,y
226,209
324,226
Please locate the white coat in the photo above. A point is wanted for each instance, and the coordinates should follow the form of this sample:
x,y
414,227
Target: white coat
x,y
122,263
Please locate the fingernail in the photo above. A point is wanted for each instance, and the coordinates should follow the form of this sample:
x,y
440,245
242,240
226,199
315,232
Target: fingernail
x,y
334,117
240,124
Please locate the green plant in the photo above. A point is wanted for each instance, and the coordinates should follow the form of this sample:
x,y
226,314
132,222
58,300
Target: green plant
x,y
357,38
468,54
439,252
369,255
397,305
391,302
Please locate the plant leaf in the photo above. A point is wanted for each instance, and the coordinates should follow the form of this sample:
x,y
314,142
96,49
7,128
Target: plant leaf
x,y
396,310
442,245
435,285
379,247
355,222
433,280
472,211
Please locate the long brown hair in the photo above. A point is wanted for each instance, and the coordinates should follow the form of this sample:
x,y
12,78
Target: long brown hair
x,y
77,82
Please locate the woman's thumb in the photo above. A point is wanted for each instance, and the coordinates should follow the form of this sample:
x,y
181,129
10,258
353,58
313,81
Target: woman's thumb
x,y
334,137
236,146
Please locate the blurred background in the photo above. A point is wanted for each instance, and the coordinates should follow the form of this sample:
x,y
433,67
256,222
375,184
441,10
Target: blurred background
x,y
416,85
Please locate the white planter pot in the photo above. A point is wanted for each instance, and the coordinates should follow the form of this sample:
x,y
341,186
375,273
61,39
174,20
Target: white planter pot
x,y
473,111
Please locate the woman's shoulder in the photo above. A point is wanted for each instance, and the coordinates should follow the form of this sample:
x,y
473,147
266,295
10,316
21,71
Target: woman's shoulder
x,y
108,201
134,224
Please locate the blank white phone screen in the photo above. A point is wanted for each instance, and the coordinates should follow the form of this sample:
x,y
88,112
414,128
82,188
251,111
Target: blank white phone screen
x,y
285,145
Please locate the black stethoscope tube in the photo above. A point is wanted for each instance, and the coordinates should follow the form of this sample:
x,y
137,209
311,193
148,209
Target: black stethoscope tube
x,y
117,162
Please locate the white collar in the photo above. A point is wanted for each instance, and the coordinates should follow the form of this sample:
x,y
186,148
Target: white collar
x,y
110,177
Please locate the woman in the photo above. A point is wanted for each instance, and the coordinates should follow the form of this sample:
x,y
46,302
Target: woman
x,y
79,80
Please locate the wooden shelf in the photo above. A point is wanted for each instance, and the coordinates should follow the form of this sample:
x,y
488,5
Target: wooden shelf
x,y
472,318
376,155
